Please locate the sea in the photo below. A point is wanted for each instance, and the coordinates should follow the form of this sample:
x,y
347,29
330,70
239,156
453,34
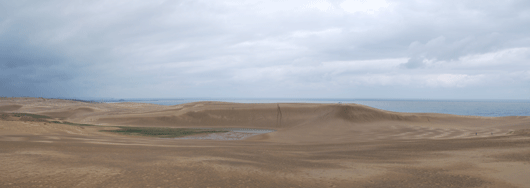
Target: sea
x,y
487,108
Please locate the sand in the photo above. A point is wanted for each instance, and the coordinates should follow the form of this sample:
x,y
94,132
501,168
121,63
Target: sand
x,y
313,145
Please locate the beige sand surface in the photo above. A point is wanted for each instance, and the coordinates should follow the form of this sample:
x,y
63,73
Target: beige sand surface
x,y
314,145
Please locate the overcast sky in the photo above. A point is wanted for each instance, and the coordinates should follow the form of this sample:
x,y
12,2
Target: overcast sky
x,y
451,49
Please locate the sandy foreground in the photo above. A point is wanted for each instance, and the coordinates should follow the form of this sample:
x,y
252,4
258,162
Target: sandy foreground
x,y
313,145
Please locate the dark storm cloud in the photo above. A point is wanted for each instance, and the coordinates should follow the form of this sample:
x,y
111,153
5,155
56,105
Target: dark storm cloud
x,y
27,70
266,48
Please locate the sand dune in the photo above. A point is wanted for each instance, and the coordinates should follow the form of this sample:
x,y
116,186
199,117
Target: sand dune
x,y
10,107
319,122
314,145
70,113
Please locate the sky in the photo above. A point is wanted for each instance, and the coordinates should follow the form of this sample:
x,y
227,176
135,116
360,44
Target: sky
x,y
384,49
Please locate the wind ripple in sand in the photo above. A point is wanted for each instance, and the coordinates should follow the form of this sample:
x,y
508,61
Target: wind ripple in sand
x,y
442,133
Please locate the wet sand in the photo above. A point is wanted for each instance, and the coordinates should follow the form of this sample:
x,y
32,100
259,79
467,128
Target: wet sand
x,y
314,145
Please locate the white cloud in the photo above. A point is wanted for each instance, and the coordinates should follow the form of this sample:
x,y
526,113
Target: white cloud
x,y
450,80
417,80
326,71
321,5
364,6
323,33
383,72
512,58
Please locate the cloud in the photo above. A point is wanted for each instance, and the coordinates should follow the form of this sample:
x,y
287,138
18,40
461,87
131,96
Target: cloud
x,y
506,59
451,80
256,49
319,5
412,63
364,6
324,33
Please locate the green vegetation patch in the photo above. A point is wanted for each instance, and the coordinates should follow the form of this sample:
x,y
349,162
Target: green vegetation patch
x,y
30,115
4,116
68,123
162,132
